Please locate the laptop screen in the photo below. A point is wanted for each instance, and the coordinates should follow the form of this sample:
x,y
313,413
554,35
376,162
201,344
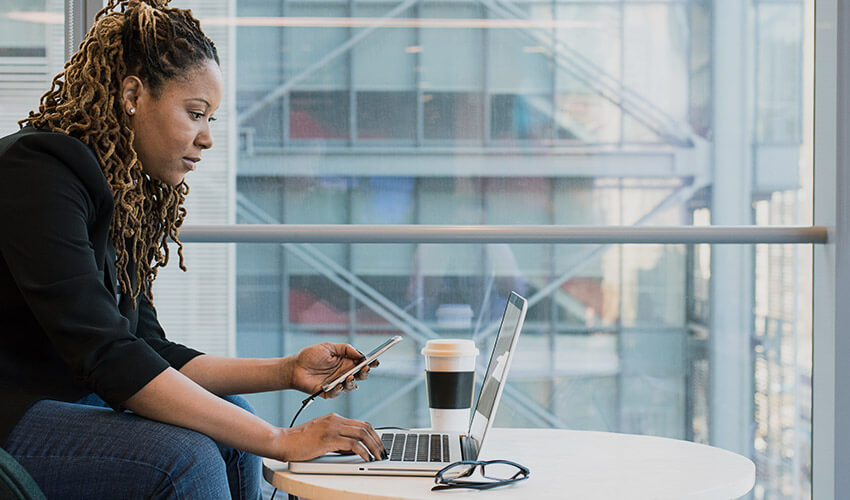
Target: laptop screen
x,y
497,369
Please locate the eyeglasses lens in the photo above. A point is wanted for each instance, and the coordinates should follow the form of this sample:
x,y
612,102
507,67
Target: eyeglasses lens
x,y
459,471
499,471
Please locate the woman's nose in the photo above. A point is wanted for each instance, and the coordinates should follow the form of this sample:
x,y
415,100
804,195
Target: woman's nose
x,y
205,138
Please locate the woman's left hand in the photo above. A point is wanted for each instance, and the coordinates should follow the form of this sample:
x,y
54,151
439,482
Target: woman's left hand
x,y
319,364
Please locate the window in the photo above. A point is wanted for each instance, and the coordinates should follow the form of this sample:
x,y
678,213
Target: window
x,y
527,113
540,113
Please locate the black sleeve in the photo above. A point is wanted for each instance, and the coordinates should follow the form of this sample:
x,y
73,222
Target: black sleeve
x,y
150,330
45,216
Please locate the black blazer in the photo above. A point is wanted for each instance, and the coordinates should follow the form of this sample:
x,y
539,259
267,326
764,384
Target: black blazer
x,y
63,332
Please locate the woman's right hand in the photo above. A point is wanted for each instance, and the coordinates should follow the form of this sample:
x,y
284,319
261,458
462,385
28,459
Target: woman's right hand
x,y
328,434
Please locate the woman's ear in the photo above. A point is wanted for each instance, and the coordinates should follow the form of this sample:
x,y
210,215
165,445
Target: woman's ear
x,y
131,90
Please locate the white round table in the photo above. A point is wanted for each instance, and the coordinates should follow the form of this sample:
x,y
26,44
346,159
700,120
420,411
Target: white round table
x,y
563,464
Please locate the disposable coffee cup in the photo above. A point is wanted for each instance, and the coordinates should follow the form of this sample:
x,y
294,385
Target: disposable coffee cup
x,y
450,379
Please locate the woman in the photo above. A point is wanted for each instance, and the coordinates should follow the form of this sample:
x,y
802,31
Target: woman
x,y
90,190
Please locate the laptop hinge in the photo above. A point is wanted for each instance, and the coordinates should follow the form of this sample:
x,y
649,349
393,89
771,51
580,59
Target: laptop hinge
x,y
468,448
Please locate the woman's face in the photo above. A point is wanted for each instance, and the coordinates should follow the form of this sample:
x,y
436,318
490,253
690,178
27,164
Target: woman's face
x,y
172,129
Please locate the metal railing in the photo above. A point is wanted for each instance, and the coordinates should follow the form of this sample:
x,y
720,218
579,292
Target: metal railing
x,y
402,233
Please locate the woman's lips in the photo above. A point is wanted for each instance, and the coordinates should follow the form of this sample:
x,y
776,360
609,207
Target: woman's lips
x,y
190,162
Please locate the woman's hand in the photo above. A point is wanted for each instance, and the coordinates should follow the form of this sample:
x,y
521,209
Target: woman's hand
x,y
330,433
320,364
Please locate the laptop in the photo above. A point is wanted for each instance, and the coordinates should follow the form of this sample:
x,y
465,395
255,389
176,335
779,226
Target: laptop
x,y
422,453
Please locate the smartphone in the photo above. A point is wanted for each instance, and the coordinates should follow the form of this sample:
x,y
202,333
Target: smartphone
x,y
372,356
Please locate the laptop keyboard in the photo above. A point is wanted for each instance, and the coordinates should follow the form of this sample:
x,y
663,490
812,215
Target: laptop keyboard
x,y
416,447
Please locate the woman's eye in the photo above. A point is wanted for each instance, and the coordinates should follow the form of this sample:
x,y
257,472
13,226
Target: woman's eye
x,y
196,116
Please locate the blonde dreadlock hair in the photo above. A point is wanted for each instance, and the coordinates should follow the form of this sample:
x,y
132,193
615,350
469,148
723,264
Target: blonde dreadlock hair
x,y
156,43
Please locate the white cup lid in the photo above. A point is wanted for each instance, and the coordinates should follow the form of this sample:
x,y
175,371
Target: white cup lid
x,y
450,347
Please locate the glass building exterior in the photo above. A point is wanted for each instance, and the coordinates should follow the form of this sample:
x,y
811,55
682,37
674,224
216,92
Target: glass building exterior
x,y
510,112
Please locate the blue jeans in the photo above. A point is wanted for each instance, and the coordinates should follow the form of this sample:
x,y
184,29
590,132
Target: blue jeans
x,y
86,450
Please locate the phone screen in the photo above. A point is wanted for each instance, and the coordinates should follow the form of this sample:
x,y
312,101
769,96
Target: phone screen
x,y
369,358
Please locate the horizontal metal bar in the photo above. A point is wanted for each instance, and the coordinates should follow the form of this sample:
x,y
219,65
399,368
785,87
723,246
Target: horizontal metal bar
x,y
375,233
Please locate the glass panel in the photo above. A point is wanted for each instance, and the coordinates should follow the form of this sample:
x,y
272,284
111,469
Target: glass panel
x,y
307,45
452,58
386,58
318,115
452,64
589,70
518,62
537,113
453,115
262,56
700,68
386,115
779,60
32,52
655,57
526,116
315,303
23,28
383,200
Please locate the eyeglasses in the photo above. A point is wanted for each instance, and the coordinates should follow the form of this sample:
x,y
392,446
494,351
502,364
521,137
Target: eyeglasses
x,y
493,473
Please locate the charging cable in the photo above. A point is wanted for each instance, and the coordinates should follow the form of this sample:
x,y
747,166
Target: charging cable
x,y
305,403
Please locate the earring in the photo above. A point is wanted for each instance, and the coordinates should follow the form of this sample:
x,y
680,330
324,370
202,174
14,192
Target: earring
x,y
132,111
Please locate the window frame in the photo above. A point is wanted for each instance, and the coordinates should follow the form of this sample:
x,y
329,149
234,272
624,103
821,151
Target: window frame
x,y
831,405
